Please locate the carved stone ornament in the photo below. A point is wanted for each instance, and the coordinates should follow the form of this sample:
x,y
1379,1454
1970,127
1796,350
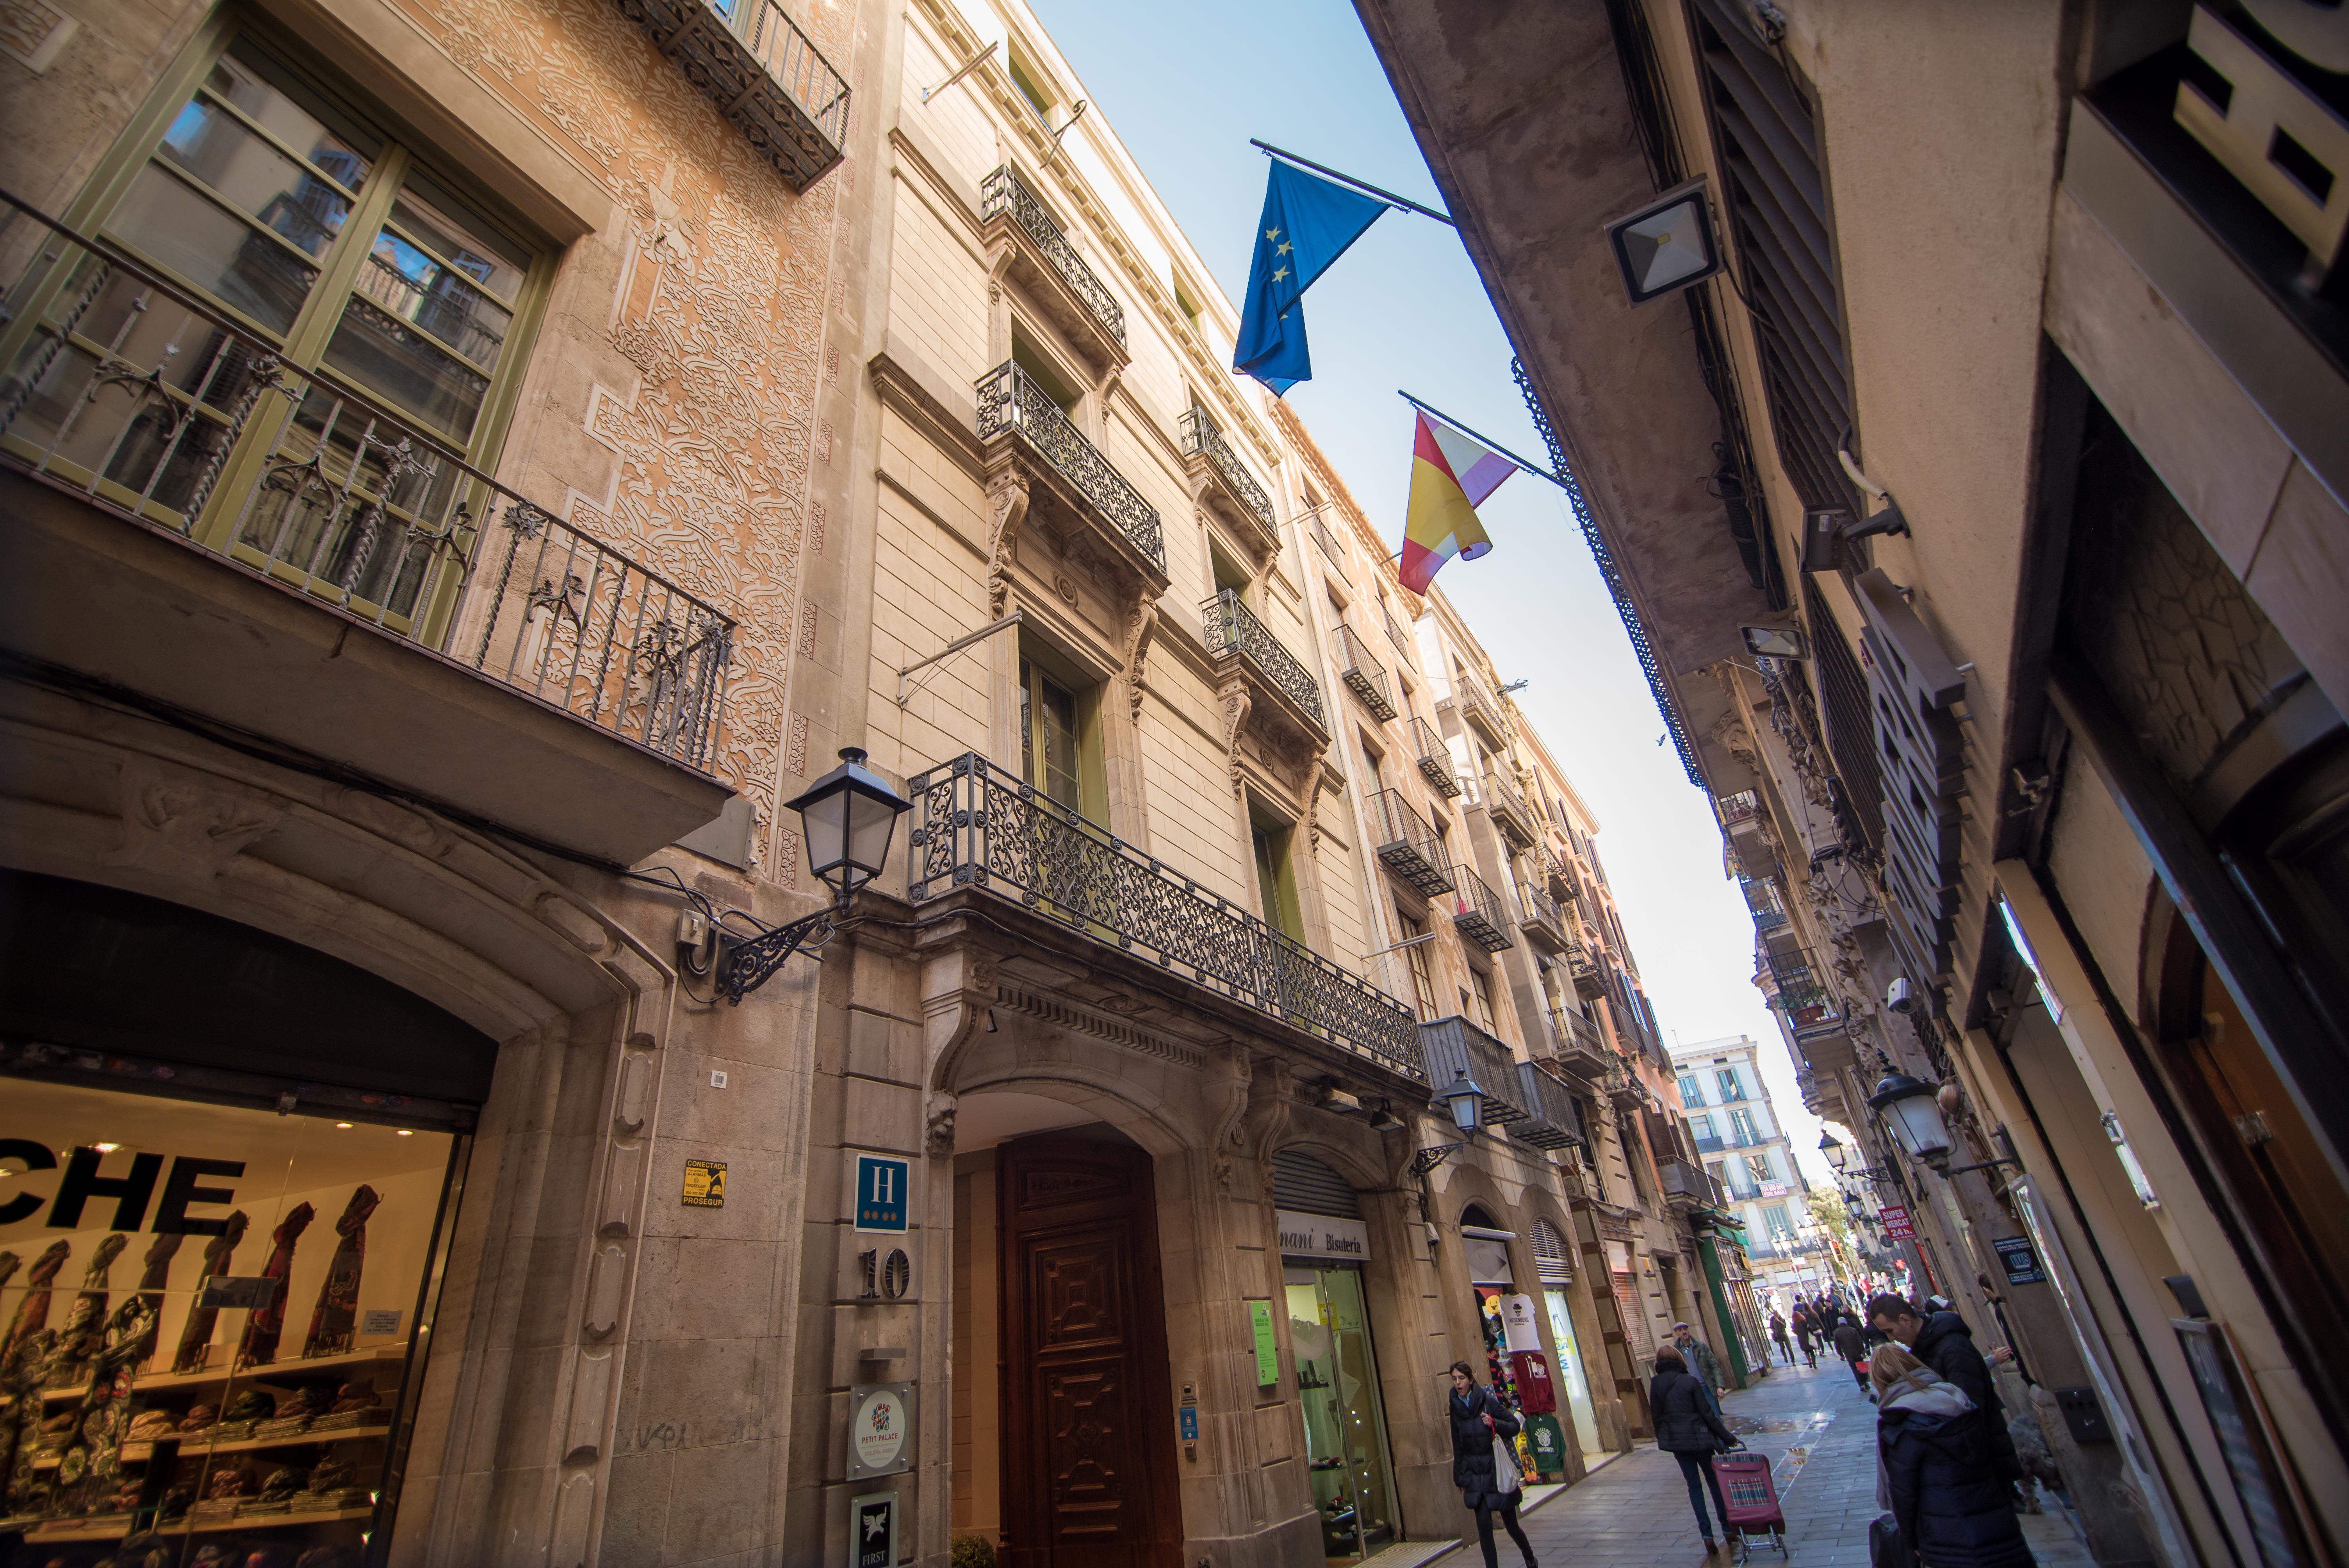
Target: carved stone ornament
x,y
938,1129
1233,696
1141,622
1227,1092
1006,505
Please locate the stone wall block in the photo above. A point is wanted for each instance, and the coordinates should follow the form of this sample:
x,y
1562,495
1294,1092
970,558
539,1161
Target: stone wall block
x,y
575,1512
607,1278
633,1104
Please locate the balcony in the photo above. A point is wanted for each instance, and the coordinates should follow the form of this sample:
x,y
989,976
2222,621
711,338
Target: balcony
x,y
1559,876
1219,478
1014,411
1802,994
1510,813
1454,1045
1479,711
1747,831
1709,1145
1549,1121
1407,846
1233,632
761,73
184,516
979,827
1762,902
1684,1186
1328,542
1583,969
1018,228
1476,911
1582,1049
1363,675
1544,924
1435,758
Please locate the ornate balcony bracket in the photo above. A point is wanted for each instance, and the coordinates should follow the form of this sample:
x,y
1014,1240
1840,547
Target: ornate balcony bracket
x,y
1025,245
1267,696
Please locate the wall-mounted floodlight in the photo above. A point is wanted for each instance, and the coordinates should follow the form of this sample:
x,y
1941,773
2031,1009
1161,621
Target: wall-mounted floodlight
x,y
1776,642
1667,244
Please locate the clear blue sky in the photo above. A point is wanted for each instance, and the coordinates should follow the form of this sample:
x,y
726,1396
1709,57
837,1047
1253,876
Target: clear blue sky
x,y
1186,90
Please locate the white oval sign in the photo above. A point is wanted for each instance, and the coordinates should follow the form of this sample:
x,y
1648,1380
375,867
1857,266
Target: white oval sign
x,y
878,1429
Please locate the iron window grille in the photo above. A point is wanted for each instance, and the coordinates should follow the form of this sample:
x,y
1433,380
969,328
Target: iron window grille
x,y
1004,193
980,827
1231,627
761,72
1010,401
1407,846
348,503
1435,757
1363,675
1202,437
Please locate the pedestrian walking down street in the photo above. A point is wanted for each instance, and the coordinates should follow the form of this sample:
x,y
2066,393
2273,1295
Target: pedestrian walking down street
x,y
1778,1335
1806,1327
1934,1471
1703,1364
1851,1343
1688,1430
1478,1416
1945,1343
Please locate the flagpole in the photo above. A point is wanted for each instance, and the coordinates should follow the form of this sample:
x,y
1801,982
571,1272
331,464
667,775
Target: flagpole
x,y
1529,468
1388,196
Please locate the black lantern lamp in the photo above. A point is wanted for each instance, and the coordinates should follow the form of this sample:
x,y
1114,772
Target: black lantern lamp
x,y
847,818
1833,1147
1911,1110
1465,1101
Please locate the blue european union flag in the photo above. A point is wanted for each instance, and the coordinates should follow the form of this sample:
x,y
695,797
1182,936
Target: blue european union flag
x,y
1308,224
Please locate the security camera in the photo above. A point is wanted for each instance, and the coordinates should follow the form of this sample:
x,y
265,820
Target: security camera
x,y
1900,997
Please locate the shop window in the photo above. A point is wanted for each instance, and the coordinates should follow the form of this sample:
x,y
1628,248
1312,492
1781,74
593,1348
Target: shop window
x,y
271,1413
276,197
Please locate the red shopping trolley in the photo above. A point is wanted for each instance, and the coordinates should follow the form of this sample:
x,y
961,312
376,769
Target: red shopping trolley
x,y
1750,1497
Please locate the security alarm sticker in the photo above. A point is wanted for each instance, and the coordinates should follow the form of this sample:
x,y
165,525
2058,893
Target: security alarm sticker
x,y
705,1184
2020,1258
880,1429
882,1185
1188,1415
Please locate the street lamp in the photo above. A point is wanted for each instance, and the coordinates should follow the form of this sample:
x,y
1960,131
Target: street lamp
x,y
1465,1101
1833,1147
848,818
1911,1109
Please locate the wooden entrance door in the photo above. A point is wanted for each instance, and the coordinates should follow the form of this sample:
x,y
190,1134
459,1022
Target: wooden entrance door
x,y
1087,1438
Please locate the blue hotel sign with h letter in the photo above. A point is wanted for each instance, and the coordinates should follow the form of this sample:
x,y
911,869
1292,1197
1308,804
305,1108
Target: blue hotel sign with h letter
x,y
882,1185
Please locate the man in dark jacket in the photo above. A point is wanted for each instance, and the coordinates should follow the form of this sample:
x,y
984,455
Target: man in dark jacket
x,y
1687,1429
1478,1416
1944,1342
1852,1344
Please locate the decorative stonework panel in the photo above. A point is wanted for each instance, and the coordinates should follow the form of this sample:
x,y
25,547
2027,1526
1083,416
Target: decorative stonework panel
x,y
721,315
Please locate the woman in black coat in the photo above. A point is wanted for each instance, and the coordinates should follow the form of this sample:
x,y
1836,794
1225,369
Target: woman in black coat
x,y
1940,1479
1687,1429
1478,1416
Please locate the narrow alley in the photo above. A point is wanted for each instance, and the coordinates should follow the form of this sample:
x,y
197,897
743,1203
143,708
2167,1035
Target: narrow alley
x,y
1818,1431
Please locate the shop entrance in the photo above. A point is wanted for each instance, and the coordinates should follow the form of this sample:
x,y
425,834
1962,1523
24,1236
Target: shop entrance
x,y
1557,1272
1088,1427
1324,1246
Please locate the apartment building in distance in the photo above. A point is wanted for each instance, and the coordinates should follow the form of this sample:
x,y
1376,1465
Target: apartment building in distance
x,y
1980,519
467,472
1745,1151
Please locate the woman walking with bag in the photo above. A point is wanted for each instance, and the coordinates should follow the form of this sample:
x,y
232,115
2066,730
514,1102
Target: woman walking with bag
x,y
1483,1462
1687,1429
1936,1473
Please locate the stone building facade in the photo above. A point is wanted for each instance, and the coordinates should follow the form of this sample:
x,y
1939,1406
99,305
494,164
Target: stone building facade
x,y
467,469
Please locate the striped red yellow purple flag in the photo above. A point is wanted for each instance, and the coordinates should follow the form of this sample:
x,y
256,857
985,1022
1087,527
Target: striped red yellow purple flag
x,y
1450,475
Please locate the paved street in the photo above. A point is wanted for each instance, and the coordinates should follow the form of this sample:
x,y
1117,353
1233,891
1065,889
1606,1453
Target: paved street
x,y
1818,1431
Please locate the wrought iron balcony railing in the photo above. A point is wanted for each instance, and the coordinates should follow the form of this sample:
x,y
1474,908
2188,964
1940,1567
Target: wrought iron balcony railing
x,y
1435,757
1004,193
1684,1184
1742,807
1762,902
1232,627
1550,1121
748,59
158,408
1362,673
1328,541
1478,710
981,827
1009,400
1544,925
1454,1045
1475,910
1578,1034
1407,846
1507,809
1802,992
1201,438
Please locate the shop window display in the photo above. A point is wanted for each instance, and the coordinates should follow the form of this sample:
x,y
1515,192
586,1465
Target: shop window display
x,y
1345,1429
211,1328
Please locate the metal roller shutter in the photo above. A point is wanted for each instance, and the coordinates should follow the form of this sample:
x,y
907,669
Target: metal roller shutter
x,y
1303,1185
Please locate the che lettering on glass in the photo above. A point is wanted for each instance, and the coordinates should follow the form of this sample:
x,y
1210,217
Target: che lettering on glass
x,y
133,1191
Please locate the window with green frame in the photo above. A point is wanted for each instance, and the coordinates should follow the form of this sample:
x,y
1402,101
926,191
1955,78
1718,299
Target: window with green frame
x,y
382,323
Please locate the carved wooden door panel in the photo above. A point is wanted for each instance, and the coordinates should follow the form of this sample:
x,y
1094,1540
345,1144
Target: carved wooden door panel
x,y
1088,1455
